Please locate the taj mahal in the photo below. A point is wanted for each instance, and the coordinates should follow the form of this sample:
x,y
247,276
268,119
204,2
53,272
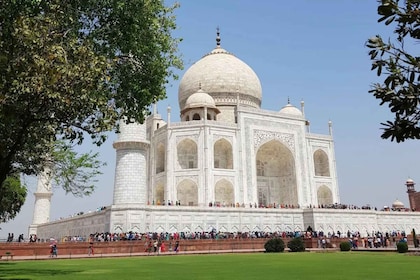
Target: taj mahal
x,y
227,165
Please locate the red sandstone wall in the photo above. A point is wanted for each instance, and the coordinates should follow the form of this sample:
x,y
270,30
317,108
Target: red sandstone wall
x,y
127,247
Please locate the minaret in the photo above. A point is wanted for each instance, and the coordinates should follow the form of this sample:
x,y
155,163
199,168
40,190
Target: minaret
x,y
43,196
132,148
413,196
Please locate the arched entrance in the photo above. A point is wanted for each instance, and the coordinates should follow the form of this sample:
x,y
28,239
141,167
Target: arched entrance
x,y
276,175
224,193
324,195
187,193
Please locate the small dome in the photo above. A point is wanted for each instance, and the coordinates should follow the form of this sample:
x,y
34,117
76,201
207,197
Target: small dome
x,y
291,110
409,181
397,204
200,99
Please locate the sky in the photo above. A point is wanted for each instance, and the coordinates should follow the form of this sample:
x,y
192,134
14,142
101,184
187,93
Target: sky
x,y
311,50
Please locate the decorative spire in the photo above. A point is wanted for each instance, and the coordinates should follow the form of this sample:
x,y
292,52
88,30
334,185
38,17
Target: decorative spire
x,y
199,85
302,107
330,127
288,100
218,37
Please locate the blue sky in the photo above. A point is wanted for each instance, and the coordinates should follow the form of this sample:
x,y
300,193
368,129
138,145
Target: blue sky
x,y
302,50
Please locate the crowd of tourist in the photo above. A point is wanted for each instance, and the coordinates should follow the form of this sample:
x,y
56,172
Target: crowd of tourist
x,y
11,236
262,205
99,209
371,240
255,205
374,239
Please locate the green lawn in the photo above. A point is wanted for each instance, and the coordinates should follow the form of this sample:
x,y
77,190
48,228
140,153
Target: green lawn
x,y
336,266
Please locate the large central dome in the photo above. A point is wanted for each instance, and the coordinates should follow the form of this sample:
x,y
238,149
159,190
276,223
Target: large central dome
x,y
223,76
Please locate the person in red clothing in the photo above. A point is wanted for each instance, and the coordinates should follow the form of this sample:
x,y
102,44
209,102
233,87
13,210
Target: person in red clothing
x,y
90,249
162,247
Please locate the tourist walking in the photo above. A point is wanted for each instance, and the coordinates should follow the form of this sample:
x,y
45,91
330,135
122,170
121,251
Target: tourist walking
x,y
155,246
176,248
90,249
53,250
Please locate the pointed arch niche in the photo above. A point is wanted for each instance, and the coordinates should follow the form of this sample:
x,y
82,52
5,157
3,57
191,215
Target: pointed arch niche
x,y
224,193
321,163
324,195
187,193
276,175
187,154
160,158
223,156
159,194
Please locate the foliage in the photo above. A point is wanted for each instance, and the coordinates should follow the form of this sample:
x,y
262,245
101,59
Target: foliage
x,y
12,197
345,246
71,69
73,172
296,245
400,89
402,247
274,245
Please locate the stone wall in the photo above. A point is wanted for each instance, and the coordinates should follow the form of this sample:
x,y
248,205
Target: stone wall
x,y
81,225
229,219
67,249
129,247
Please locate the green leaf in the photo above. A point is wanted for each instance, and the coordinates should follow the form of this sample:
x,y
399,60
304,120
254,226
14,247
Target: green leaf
x,y
389,20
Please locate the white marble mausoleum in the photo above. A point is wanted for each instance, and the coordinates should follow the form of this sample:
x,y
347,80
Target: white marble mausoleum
x,y
227,165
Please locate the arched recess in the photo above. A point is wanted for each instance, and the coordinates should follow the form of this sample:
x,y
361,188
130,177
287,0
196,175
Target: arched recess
x,y
159,195
321,163
276,175
196,117
324,195
224,193
223,157
187,193
160,158
187,154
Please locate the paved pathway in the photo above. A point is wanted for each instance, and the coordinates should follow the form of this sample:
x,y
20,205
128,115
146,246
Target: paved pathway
x,y
79,256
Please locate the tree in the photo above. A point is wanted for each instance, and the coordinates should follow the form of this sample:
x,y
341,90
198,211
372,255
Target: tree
x,y
12,197
75,173
400,89
71,69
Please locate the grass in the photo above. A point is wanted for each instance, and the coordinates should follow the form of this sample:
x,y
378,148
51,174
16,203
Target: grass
x,y
337,266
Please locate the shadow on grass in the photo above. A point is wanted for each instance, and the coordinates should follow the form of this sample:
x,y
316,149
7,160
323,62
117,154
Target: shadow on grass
x,y
9,270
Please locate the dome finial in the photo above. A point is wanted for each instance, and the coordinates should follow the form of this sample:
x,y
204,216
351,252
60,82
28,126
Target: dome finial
x,y
218,37
288,100
199,85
